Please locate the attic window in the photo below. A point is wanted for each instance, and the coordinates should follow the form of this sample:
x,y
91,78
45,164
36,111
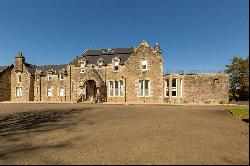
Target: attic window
x,y
61,76
116,62
144,64
82,66
49,76
100,63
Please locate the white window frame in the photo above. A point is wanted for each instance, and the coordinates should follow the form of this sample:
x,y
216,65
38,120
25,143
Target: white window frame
x,y
166,87
181,87
174,89
116,92
111,89
19,91
116,62
61,76
100,63
82,66
144,62
61,91
49,93
49,76
143,90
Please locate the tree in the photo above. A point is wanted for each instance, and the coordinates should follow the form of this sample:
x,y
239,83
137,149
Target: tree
x,y
238,72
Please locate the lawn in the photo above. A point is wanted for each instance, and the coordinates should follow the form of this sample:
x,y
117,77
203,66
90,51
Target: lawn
x,y
239,111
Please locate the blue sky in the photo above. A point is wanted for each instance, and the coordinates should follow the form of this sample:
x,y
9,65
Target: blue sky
x,y
193,34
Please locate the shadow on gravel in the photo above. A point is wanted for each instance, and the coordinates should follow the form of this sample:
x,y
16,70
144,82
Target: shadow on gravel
x,y
245,120
37,121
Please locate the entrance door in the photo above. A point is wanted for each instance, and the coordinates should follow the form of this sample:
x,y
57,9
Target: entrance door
x,y
90,90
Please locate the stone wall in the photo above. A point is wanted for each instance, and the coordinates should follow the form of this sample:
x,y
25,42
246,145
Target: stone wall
x,y
41,88
154,73
27,81
5,85
199,88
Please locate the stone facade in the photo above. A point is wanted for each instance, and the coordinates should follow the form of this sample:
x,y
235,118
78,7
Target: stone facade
x,y
5,83
132,75
196,88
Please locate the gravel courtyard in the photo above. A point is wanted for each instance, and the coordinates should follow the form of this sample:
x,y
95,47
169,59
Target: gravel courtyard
x,y
121,134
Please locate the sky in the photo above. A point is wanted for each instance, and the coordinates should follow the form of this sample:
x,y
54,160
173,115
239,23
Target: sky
x,y
193,34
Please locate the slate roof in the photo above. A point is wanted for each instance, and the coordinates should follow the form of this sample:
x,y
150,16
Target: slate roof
x,y
56,68
92,56
2,68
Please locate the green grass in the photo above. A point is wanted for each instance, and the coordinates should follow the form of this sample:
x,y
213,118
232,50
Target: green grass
x,y
239,111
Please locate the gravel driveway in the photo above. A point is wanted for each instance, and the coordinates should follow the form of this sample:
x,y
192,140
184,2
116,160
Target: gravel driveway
x,y
121,134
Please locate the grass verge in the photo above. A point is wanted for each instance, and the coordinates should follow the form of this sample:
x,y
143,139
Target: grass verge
x,y
239,111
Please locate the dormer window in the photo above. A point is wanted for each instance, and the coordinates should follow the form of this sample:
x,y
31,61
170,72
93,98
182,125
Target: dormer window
x,y
144,64
116,62
37,77
49,76
61,76
100,63
82,66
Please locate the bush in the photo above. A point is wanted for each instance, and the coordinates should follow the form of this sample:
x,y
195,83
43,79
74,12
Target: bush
x,y
225,102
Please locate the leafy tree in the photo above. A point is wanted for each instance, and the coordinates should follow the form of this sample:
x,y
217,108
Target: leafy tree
x,y
238,72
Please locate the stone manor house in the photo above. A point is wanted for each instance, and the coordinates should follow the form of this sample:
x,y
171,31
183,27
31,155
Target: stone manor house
x,y
119,75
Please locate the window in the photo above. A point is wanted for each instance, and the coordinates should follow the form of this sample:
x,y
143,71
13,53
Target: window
x,y
82,66
100,63
174,87
37,90
37,77
61,76
167,87
110,88
116,65
61,91
49,91
144,64
181,87
19,91
49,76
19,78
121,88
144,88
116,88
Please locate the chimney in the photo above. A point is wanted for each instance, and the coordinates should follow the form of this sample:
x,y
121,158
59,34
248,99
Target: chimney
x,y
20,60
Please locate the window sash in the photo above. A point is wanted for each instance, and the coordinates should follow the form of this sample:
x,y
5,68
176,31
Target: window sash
x,y
19,91
167,87
49,76
174,82
144,64
116,89
49,91
110,88
61,92
144,88
181,84
61,76
121,88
